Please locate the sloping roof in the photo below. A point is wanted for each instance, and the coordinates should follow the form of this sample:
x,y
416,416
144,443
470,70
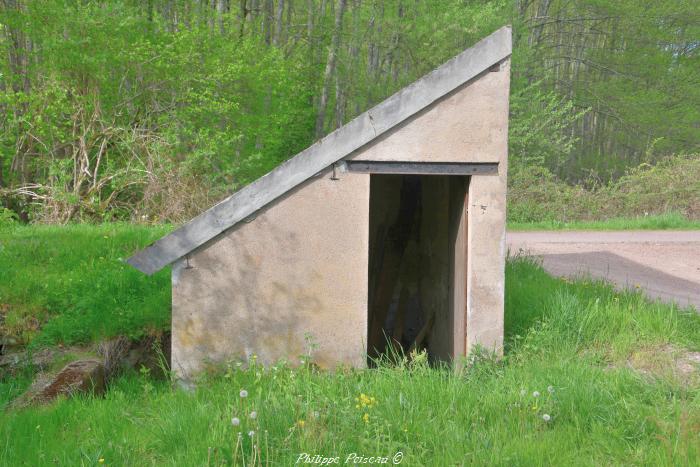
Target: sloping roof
x,y
337,145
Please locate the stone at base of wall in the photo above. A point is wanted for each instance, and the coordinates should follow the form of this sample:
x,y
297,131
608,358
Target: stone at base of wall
x,y
78,377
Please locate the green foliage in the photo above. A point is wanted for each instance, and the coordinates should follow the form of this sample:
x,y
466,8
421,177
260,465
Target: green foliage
x,y
153,111
116,106
7,217
669,189
569,348
538,135
634,65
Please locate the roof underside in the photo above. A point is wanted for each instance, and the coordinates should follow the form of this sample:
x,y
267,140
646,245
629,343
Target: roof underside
x,y
337,145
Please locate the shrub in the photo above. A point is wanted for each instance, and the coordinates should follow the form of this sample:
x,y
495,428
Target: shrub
x,y
671,186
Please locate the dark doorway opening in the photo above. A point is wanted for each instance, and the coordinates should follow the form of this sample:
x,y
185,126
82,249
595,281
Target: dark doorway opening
x,y
417,265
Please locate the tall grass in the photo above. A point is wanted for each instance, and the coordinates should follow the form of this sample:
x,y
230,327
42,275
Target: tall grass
x,y
433,417
667,221
70,284
563,394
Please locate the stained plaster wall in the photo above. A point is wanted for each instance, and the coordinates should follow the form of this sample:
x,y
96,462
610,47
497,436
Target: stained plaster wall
x,y
298,269
469,125
486,232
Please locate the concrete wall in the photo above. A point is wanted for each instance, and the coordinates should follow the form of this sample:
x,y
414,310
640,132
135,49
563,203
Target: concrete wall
x,y
299,267
469,125
486,250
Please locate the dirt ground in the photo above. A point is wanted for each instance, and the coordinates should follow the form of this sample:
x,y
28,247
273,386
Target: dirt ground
x,y
665,264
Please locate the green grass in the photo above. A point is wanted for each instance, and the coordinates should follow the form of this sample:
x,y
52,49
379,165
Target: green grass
x,y
69,284
577,337
670,221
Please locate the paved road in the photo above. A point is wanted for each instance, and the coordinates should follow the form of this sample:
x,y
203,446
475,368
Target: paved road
x,y
665,264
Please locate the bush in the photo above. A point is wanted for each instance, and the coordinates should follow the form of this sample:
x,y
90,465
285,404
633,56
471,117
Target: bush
x,y
671,186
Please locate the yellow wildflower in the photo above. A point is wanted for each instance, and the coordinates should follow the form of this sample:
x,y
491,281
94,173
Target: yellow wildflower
x,y
365,401
301,423
365,418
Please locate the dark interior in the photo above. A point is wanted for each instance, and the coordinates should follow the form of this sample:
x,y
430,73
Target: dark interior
x,y
414,228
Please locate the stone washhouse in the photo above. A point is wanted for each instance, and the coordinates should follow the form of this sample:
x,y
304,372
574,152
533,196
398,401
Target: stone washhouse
x,y
387,234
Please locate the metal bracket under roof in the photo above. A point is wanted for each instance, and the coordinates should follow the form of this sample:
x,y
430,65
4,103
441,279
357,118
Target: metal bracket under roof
x,y
423,168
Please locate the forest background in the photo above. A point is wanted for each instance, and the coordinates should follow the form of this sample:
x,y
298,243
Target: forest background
x,y
152,110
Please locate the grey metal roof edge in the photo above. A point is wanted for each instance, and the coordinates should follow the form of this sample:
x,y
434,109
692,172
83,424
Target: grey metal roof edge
x,y
336,145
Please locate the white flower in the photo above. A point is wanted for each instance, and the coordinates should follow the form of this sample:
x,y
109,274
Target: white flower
x,y
253,415
235,421
536,394
243,393
550,389
522,392
302,361
316,415
251,433
546,417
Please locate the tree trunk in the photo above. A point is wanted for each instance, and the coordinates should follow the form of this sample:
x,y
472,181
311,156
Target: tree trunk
x,y
243,15
220,12
278,23
267,21
330,69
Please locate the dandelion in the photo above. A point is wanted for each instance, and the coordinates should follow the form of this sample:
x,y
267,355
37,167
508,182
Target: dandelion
x,y
301,423
546,417
523,392
365,418
101,460
243,393
536,394
251,433
235,421
550,389
253,415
